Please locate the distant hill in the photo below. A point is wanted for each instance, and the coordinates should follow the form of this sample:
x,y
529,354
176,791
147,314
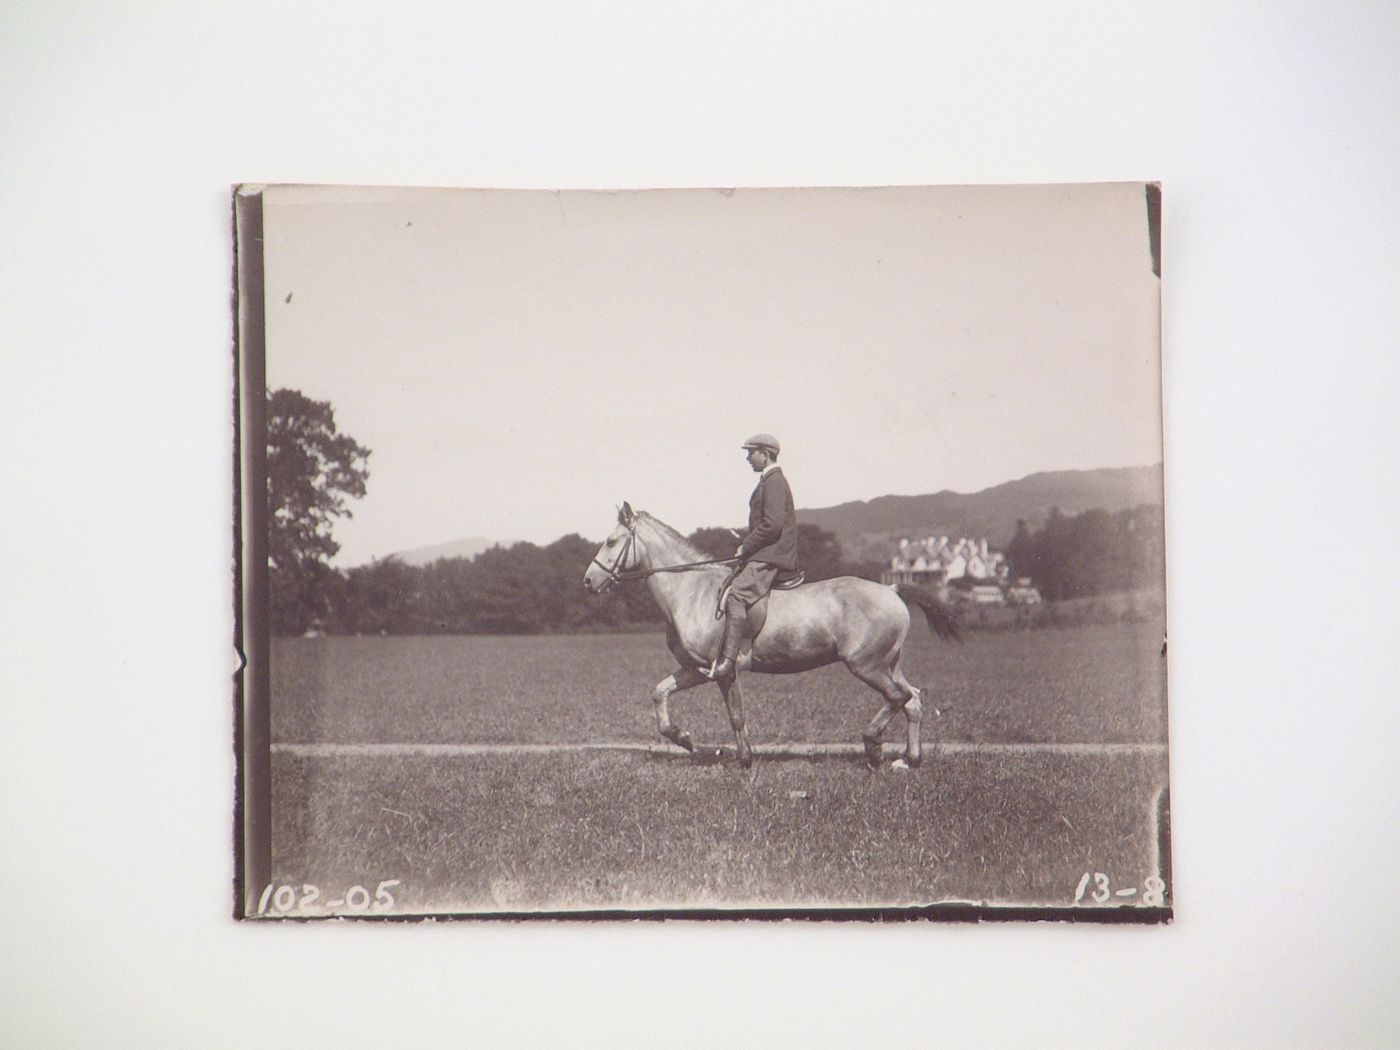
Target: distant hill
x,y
869,528
467,548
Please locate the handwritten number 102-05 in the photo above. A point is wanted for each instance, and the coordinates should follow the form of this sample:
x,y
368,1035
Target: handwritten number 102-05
x,y
285,899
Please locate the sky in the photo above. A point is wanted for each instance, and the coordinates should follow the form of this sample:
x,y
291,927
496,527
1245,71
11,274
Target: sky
x,y
521,362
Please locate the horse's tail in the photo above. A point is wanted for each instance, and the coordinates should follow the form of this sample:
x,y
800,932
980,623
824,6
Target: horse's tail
x,y
942,620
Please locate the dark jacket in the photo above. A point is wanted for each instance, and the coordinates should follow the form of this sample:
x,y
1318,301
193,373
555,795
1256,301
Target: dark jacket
x,y
772,534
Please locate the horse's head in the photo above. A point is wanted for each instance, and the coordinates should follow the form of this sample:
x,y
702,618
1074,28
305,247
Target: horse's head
x,y
618,554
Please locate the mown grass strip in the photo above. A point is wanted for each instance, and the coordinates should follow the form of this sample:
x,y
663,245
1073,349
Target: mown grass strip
x,y
367,750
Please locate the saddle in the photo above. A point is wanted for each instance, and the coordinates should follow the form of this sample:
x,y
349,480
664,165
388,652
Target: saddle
x,y
786,580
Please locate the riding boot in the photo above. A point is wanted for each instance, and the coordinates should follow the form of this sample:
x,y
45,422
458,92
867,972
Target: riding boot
x,y
736,617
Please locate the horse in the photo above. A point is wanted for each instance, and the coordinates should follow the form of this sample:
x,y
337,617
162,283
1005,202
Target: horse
x,y
847,619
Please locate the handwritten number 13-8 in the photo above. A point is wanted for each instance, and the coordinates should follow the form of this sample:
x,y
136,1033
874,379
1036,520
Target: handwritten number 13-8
x,y
1153,889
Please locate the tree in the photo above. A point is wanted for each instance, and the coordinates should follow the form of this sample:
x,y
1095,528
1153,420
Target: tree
x,y
715,541
819,553
1092,553
381,598
312,470
1023,551
818,550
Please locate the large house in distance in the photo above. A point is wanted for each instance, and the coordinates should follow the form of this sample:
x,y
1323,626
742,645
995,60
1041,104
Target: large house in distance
x,y
982,575
935,561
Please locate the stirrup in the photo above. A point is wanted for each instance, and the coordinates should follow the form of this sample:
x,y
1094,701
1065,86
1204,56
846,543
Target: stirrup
x,y
710,672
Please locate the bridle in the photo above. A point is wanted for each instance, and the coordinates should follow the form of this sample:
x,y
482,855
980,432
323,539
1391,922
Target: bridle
x,y
616,572
619,573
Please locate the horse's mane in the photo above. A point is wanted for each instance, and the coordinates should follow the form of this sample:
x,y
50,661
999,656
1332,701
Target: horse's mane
x,y
687,549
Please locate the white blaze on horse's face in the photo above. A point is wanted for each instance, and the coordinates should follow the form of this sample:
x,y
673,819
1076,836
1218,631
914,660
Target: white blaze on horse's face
x,y
598,577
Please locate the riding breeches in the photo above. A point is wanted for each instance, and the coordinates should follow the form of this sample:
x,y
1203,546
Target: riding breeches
x,y
755,580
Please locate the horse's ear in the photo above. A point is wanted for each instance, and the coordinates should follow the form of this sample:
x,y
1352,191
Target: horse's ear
x,y
625,514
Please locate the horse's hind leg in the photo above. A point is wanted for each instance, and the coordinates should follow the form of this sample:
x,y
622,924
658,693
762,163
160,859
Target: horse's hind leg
x,y
913,717
871,733
734,702
683,678
898,695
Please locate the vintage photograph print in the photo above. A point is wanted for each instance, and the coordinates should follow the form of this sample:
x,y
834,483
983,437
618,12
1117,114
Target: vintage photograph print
x,y
708,553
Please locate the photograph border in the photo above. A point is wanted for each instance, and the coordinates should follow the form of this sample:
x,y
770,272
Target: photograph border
x,y
252,693
252,721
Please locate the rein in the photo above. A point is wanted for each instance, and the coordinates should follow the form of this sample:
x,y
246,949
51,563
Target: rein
x,y
617,574
639,574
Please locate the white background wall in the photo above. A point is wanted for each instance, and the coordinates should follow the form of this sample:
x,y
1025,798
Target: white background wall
x,y
1274,129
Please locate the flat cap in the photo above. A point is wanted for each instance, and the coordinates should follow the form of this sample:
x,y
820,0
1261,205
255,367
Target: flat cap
x,y
767,441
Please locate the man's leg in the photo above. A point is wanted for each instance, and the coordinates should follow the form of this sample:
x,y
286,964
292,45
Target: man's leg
x,y
754,580
736,617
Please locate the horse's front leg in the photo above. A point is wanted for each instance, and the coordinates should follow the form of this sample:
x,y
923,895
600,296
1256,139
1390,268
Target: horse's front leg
x,y
683,678
734,702
914,715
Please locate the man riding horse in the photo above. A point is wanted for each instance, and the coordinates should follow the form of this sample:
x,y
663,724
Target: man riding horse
x,y
768,550
846,619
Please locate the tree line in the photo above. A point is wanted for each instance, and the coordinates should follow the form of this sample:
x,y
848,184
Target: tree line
x,y
1093,553
518,589
313,470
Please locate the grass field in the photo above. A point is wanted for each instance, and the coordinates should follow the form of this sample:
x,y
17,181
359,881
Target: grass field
x,y
994,818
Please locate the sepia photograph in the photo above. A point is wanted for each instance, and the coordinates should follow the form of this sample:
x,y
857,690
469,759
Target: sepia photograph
x,y
702,552
577,525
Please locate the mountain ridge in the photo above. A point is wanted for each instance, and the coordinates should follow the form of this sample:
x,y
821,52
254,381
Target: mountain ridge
x,y
468,547
868,529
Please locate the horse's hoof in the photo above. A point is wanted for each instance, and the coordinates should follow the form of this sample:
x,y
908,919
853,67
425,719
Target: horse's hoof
x,y
874,751
746,760
914,761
